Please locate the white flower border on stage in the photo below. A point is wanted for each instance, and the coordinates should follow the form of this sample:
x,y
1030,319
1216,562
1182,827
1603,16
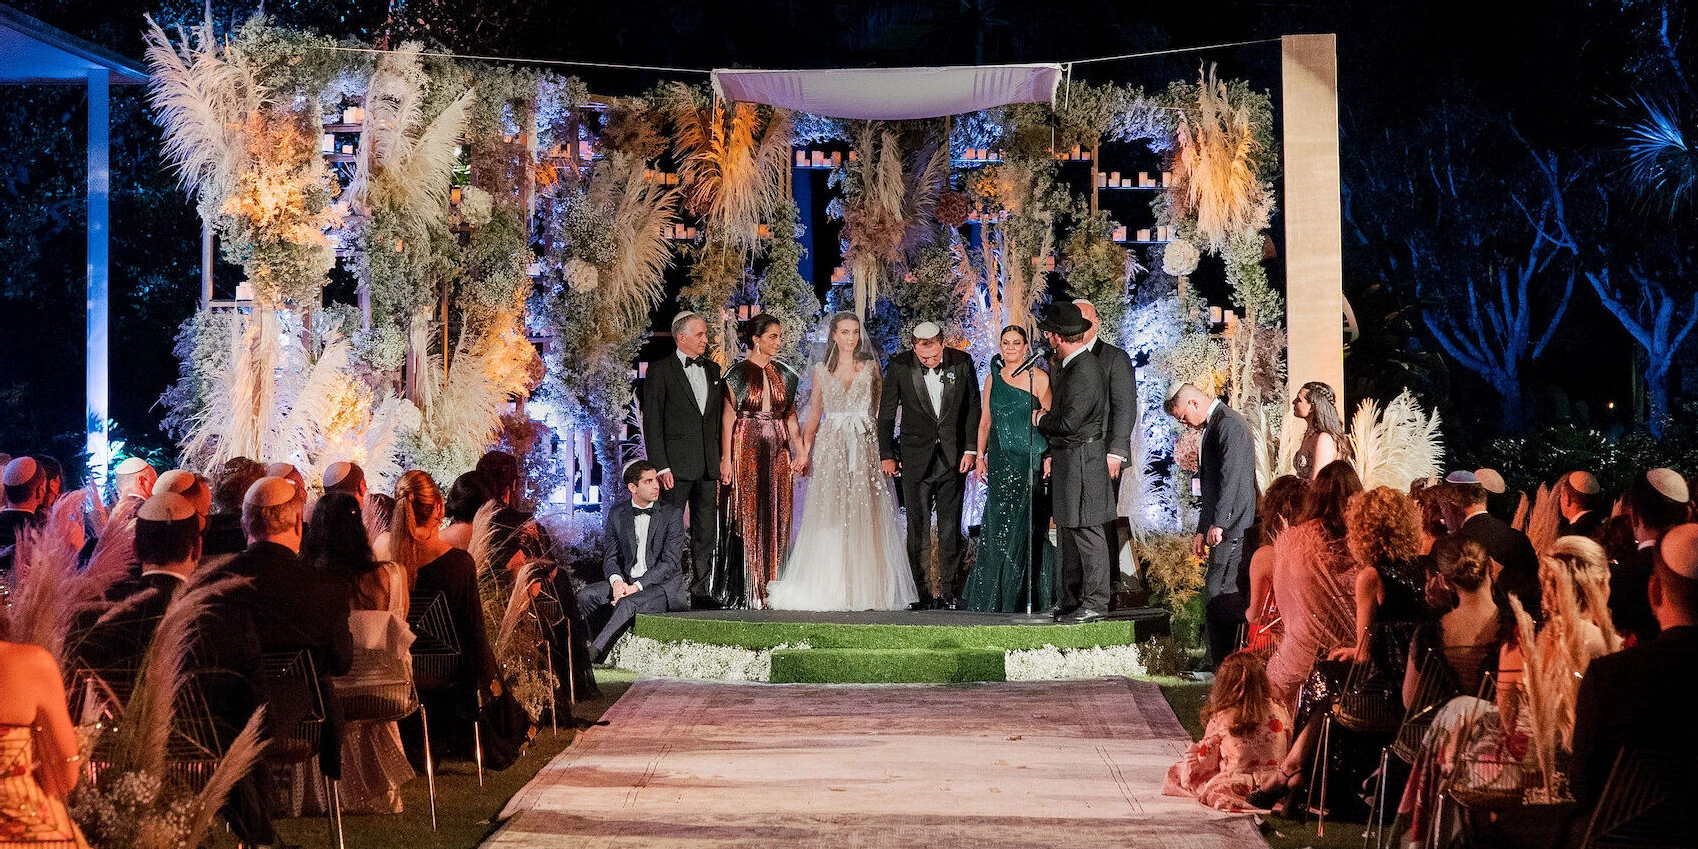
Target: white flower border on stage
x,y
684,659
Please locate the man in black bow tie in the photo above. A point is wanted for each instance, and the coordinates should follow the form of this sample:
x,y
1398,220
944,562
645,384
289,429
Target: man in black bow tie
x,y
936,389
644,550
681,405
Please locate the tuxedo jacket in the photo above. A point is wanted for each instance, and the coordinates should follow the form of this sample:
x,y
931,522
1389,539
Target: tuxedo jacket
x,y
296,606
1120,386
676,433
115,646
954,432
1228,457
664,549
1639,699
1080,490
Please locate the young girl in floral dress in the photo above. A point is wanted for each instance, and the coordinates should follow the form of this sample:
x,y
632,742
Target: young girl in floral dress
x,y
1245,737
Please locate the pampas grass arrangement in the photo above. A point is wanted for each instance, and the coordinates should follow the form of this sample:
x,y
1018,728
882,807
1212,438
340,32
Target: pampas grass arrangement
x,y
735,159
516,635
1397,446
1218,166
1543,519
888,204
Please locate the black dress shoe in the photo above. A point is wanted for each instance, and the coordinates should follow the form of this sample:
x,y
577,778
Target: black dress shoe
x,y
950,603
923,604
705,602
1059,613
1081,616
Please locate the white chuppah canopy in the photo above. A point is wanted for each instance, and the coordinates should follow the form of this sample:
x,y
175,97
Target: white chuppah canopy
x,y
892,94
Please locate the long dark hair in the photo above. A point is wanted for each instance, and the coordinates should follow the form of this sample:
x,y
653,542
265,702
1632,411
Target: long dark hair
x,y
336,540
470,492
756,326
1324,416
1329,496
861,352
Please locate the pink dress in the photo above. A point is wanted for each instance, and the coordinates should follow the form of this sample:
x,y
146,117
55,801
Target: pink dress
x,y
1314,585
1223,768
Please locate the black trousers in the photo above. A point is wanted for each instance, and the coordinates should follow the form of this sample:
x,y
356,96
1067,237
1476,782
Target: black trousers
x,y
1085,564
1227,589
594,601
939,486
700,501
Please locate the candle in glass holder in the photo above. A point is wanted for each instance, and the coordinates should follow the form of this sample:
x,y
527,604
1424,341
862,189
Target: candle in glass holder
x,y
1143,235
1114,179
801,159
1214,315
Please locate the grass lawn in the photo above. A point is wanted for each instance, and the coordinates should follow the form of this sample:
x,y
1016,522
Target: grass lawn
x,y
465,810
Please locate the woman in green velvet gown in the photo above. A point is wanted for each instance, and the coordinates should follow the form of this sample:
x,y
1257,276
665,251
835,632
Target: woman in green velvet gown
x,y
1011,464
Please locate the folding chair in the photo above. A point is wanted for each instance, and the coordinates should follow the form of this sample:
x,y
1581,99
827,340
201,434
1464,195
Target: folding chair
x,y
438,657
1645,804
390,703
293,689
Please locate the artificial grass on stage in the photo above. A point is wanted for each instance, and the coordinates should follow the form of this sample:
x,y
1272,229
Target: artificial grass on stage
x,y
886,666
760,635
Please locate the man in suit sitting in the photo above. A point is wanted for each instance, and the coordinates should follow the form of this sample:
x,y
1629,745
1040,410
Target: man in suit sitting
x,y
643,560
1655,502
168,544
682,400
936,389
1640,699
1577,495
1226,472
1517,565
348,477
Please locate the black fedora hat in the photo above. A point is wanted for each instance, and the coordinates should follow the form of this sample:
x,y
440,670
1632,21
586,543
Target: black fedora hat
x,y
1064,319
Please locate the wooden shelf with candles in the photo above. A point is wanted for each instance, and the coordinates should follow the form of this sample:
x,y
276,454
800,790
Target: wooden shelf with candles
x,y
1148,236
820,159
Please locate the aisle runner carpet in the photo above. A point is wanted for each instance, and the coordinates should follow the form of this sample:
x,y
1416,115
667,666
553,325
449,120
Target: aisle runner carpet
x,y
1071,764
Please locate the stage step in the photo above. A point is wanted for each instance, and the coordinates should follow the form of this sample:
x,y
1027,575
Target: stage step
x,y
886,666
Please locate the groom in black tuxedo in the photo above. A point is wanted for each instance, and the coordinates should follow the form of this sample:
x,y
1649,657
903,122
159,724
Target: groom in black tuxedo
x,y
1082,496
644,550
682,397
937,390
1226,470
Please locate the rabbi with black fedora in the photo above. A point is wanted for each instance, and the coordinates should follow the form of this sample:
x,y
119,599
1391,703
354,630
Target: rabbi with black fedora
x,y
1076,426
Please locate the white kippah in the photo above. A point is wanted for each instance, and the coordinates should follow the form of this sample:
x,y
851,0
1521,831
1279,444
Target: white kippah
x,y
1670,484
175,480
132,466
21,471
927,330
165,507
1492,481
335,472
1462,477
1585,483
1679,548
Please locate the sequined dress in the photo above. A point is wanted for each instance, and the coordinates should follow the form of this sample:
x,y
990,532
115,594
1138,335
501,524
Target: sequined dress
x,y
1001,579
29,816
850,552
761,494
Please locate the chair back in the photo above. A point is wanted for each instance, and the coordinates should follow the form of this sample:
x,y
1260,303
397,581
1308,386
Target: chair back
x,y
1371,702
295,706
437,653
1645,804
1435,684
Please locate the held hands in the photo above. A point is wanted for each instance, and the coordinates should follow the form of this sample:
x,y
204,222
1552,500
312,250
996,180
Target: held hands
x,y
889,467
800,465
966,464
666,480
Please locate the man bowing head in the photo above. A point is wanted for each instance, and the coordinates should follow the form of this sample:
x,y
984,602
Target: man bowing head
x,y
644,550
936,389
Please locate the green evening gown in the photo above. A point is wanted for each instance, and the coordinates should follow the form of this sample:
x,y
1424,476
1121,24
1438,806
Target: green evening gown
x,y
1000,579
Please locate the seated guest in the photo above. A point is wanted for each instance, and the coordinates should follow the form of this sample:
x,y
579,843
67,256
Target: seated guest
x,y
470,492
1577,495
1464,640
374,766
1640,699
343,476
1279,510
1383,535
1246,734
295,606
643,559
1515,566
288,472
39,758
168,544
135,479
1428,493
223,533
55,474
1654,502
26,487
437,568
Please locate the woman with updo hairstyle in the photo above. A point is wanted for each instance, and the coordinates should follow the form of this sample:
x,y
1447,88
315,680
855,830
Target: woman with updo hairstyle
x,y
760,448
436,568
1323,439
1463,640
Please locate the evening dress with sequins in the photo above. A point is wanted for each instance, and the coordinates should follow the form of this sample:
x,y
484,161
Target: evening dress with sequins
x,y
761,497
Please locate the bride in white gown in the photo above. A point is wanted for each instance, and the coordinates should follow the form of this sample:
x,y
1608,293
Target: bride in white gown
x,y
850,554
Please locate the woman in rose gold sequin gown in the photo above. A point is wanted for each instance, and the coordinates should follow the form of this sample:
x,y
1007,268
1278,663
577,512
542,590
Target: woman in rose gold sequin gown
x,y
760,448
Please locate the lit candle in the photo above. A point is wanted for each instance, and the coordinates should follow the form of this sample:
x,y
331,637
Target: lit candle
x,y
801,159
1214,315
1143,235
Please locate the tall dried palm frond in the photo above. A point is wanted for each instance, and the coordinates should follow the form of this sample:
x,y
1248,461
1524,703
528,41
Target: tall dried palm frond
x,y
1543,519
644,213
144,737
405,164
1216,168
244,755
1543,702
1397,446
735,161
311,400
44,575
892,197
240,403
205,91
1523,508
460,413
482,545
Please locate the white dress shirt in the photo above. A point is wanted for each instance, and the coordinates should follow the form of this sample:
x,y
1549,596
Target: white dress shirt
x,y
642,564
697,376
934,388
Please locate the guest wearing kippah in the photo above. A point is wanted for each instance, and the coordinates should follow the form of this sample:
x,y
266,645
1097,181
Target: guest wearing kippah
x,y
1655,502
1577,495
135,480
25,486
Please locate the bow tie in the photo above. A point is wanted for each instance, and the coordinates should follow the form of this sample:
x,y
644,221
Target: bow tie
x,y
643,511
694,361
937,369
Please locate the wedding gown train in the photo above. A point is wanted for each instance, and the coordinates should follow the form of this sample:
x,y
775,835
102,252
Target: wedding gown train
x,y
850,552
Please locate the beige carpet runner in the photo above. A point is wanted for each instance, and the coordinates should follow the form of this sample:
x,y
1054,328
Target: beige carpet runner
x,y
1068,764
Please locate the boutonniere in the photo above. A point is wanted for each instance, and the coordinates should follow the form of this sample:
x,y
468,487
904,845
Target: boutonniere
x,y
949,376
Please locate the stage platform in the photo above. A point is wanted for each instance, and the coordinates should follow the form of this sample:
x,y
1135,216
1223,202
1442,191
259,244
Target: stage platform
x,y
936,646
